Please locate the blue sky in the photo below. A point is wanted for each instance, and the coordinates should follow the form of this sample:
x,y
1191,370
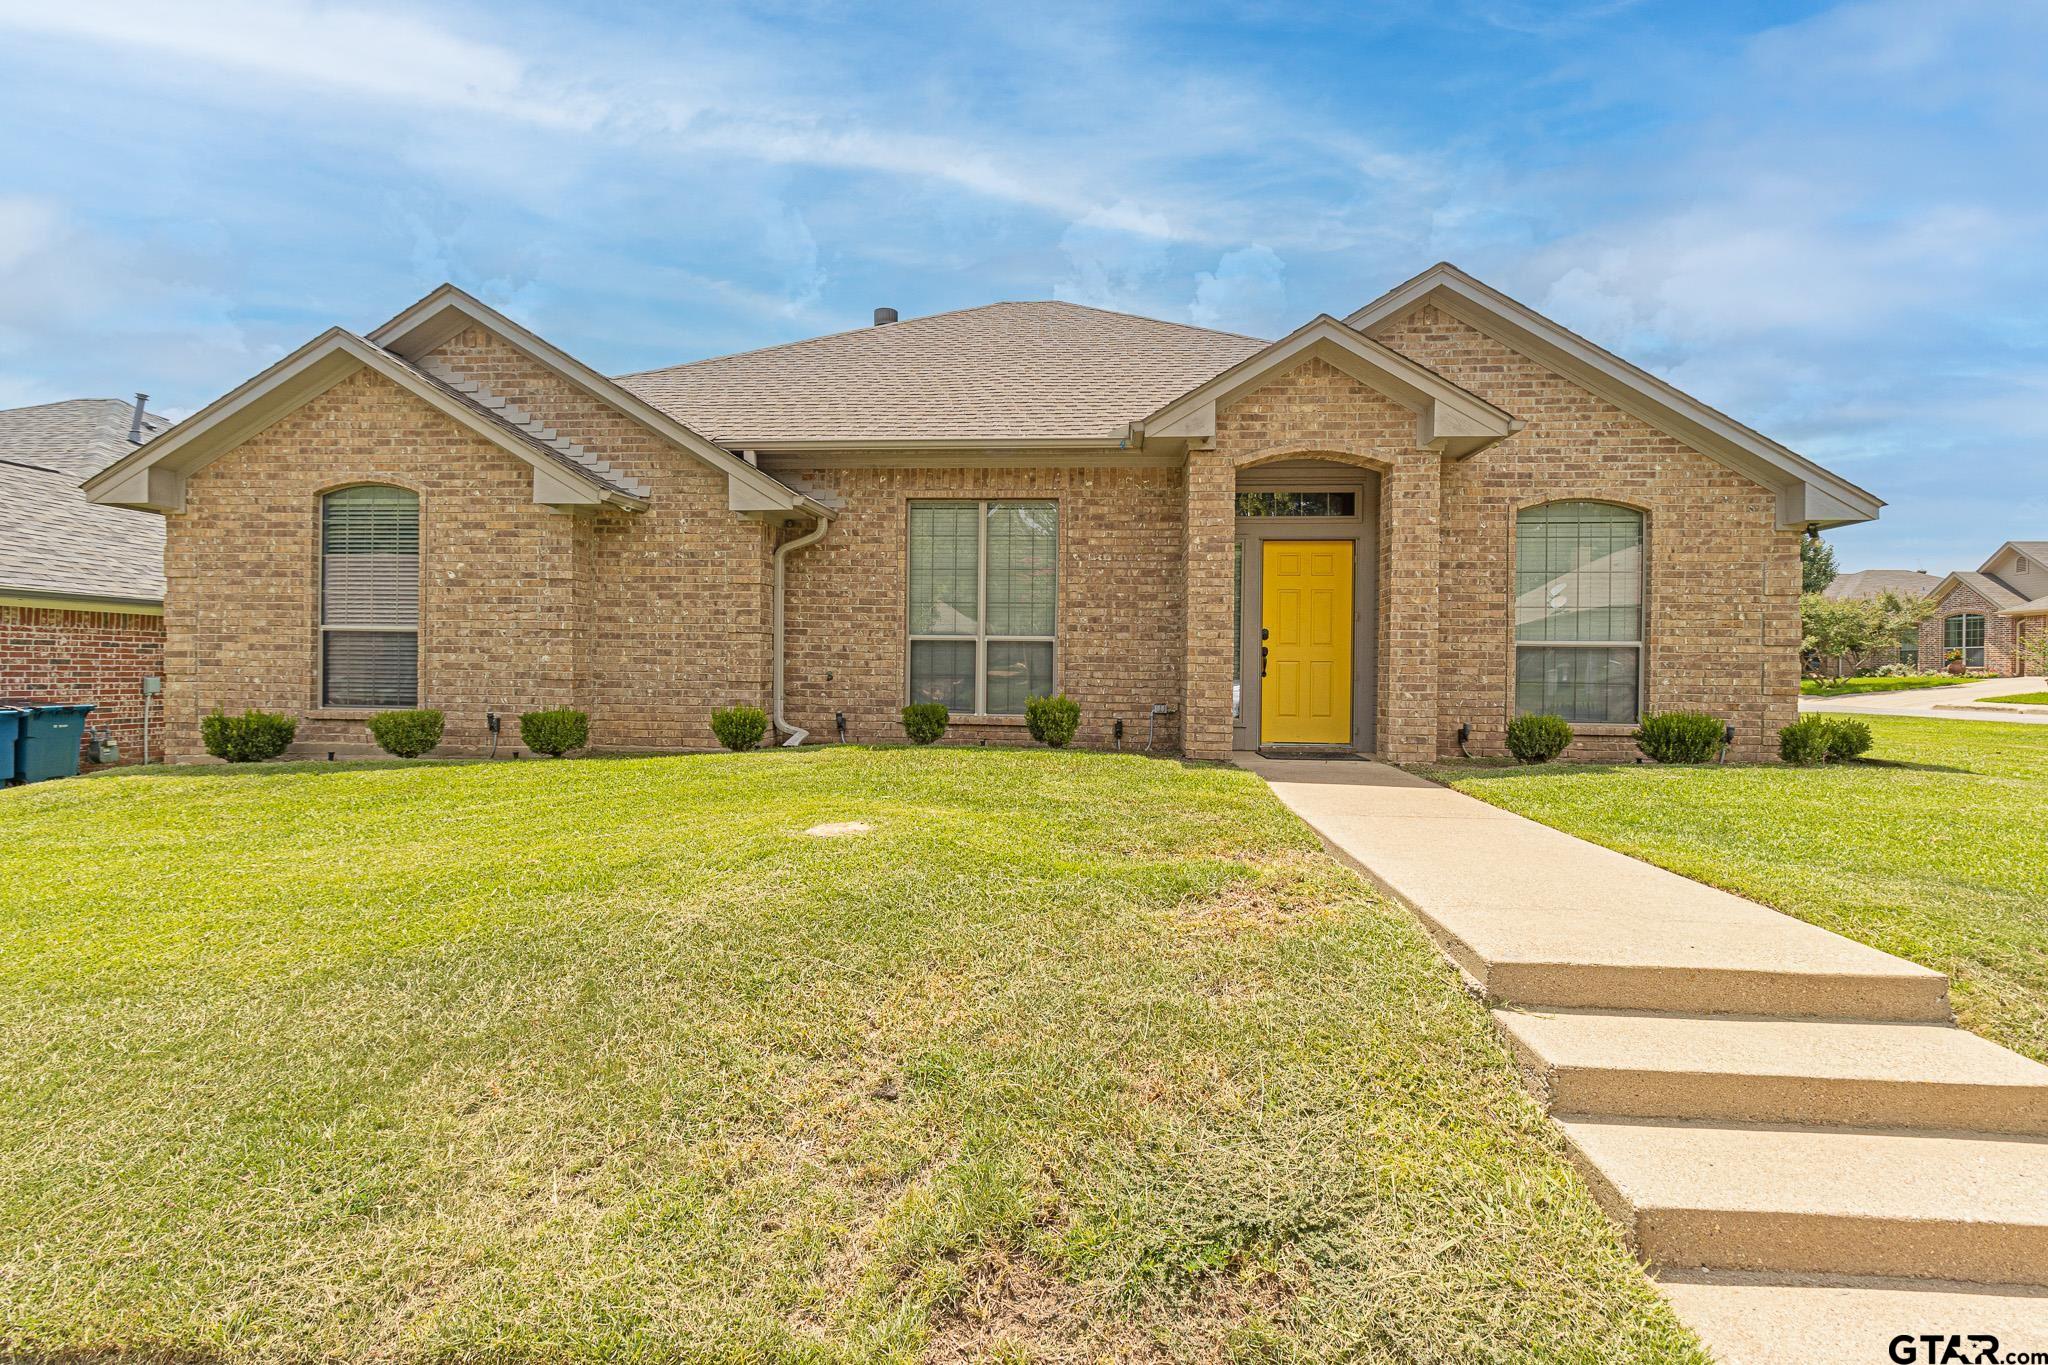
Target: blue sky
x,y
1828,220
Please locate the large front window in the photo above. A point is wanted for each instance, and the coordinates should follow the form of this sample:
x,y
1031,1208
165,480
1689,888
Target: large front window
x,y
1964,631
984,594
1579,612
369,597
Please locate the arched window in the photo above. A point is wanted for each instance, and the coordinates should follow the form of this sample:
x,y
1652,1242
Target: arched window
x,y
1964,631
369,597
1579,612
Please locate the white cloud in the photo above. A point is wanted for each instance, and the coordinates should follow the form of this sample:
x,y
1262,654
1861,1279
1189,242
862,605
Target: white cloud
x,y
1109,265
1246,292
377,53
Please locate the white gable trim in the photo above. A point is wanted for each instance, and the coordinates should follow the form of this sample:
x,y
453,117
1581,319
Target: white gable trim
x,y
1448,419
152,478
447,310
1807,493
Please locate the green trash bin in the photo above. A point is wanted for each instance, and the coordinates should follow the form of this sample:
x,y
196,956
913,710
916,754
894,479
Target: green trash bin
x,y
11,718
50,740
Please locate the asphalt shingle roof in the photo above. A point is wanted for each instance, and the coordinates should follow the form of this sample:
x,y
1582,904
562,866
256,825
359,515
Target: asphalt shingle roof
x,y
1993,591
51,539
1870,582
1004,371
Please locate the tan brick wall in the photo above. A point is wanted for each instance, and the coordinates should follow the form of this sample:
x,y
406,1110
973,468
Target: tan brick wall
x,y
1119,623
2001,656
1723,581
650,620
1316,411
497,600
674,611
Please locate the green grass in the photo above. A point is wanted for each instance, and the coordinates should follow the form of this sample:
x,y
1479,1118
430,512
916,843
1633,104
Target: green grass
x,y
1936,850
1073,1055
1856,687
2023,699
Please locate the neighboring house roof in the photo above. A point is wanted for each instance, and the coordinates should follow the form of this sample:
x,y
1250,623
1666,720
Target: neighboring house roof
x,y
76,435
1807,493
2037,607
1023,374
2036,550
1984,585
1449,419
1866,583
54,544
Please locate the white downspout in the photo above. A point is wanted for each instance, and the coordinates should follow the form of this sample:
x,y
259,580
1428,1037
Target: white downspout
x,y
775,615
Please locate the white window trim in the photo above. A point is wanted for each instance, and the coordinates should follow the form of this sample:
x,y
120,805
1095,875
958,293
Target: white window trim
x,y
981,638
1962,620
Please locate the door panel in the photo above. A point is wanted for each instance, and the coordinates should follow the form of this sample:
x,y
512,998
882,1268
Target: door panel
x,y
1306,612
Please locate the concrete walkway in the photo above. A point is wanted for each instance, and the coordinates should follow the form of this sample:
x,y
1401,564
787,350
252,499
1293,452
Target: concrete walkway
x,y
1785,1123
1965,701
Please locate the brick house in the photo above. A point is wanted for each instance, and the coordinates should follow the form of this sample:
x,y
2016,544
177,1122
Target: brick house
x,y
1377,533
1987,614
81,585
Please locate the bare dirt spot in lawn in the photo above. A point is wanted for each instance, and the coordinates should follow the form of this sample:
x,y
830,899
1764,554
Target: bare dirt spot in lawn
x,y
1286,891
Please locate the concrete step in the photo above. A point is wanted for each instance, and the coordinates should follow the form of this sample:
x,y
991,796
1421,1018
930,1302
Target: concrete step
x,y
1751,1320
1887,1075
1824,1201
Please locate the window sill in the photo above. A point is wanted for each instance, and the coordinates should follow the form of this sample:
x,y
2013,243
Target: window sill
x,y
1015,721
1603,731
351,712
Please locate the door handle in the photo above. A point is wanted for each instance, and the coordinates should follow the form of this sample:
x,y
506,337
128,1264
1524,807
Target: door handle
x,y
1263,651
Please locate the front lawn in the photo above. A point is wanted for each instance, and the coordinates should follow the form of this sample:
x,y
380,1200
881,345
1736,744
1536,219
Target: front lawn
x,y
1856,687
2023,699
1071,1055
1936,851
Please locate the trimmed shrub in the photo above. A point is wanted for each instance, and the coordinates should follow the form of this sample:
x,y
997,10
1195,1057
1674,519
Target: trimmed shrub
x,y
1824,739
925,721
555,732
1848,738
1538,739
1805,741
1052,720
739,728
251,737
406,734
1680,737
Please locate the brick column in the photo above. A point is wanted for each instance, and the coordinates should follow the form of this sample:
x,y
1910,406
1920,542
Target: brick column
x,y
1209,538
1412,525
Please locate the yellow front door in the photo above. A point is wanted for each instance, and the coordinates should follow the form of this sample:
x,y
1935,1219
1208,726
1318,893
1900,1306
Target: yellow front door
x,y
1306,694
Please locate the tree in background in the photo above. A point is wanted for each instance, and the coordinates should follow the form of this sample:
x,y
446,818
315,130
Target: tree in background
x,y
1831,629
1816,564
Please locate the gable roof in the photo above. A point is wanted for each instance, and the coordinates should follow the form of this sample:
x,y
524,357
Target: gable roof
x,y
1450,419
1987,587
1807,493
447,310
2035,550
152,477
54,544
1866,583
1020,373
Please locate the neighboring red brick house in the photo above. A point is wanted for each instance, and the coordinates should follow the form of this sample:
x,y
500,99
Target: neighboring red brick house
x,y
1987,614
81,586
1375,534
